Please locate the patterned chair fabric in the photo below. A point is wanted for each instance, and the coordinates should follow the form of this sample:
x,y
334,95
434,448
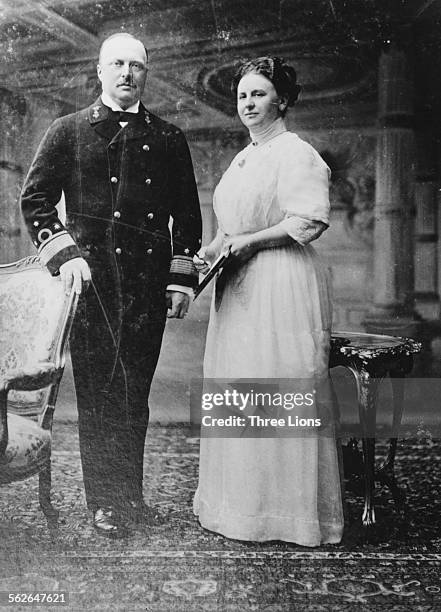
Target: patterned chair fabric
x,y
28,450
35,320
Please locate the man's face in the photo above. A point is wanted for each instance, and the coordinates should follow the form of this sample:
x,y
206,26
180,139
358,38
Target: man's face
x,y
122,70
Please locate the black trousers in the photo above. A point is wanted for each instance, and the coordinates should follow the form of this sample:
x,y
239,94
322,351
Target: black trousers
x,y
114,356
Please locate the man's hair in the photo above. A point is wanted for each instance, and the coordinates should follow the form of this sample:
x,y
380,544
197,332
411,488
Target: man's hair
x,y
122,35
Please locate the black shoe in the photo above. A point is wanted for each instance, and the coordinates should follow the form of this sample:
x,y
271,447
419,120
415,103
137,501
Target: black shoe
x,y
106,523
139,512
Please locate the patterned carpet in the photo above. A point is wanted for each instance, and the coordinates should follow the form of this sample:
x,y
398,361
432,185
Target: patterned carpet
x,y
179,567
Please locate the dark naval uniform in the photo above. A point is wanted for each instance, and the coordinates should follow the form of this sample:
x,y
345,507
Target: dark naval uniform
x,y
121,186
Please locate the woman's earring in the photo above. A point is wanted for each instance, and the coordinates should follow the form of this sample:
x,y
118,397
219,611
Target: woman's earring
x,y
282,105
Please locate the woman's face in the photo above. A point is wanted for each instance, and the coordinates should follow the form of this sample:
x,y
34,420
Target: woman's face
x,y
257,101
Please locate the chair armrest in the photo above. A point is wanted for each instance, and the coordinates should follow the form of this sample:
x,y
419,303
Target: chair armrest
x,y
36,377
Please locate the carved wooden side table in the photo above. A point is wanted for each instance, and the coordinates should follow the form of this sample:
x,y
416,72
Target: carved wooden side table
x,y
370,358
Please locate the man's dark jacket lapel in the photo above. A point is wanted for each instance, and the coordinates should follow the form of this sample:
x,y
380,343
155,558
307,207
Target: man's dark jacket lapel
x,y
98,116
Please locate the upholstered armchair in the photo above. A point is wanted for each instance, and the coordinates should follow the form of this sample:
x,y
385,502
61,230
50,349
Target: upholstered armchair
x,y
35,320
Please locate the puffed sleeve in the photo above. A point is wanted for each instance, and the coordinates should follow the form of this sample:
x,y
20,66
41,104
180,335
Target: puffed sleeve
x,y
303,192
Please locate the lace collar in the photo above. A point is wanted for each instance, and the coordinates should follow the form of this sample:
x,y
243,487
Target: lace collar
x,y
260,137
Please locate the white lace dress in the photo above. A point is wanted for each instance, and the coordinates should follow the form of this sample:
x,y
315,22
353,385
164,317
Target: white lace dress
x,y
273,321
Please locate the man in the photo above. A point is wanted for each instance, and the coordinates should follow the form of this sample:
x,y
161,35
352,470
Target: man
x,y
124,172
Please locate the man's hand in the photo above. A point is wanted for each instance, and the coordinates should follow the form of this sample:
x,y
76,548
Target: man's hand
x,y
177,303
75,275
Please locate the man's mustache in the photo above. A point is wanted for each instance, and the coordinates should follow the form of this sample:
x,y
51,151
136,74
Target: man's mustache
x,y
128,81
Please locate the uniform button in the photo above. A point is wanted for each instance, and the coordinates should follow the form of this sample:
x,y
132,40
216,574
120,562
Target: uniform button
x,y
148,181
36,224
113,179
149,251
118,251
145,147
150,216
117,214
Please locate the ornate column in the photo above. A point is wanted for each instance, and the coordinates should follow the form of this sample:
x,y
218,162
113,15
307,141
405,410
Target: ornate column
x,y
437,209
392,311
12,109
426,226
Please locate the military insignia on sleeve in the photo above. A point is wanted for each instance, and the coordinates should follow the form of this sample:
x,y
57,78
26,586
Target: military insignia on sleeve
x,y
44,234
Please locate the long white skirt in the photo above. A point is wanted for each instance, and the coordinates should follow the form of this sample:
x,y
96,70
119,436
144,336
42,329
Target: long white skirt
x,y
273,321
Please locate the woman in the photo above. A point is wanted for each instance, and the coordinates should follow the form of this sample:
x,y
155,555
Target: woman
x,y
271,319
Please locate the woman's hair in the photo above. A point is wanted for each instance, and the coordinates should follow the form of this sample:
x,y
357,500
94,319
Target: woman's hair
x,y
281,75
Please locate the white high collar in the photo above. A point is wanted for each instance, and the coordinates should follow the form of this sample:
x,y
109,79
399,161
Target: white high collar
x,y
108,101
260,136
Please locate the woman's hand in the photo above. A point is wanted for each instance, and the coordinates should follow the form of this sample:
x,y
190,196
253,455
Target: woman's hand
x,y
207,255
241,248
202,265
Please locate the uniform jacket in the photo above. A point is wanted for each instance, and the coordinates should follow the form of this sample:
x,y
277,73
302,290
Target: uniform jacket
x,y
121,187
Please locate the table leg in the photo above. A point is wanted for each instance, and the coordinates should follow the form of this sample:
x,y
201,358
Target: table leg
x,y
368,516
367,391
386,473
